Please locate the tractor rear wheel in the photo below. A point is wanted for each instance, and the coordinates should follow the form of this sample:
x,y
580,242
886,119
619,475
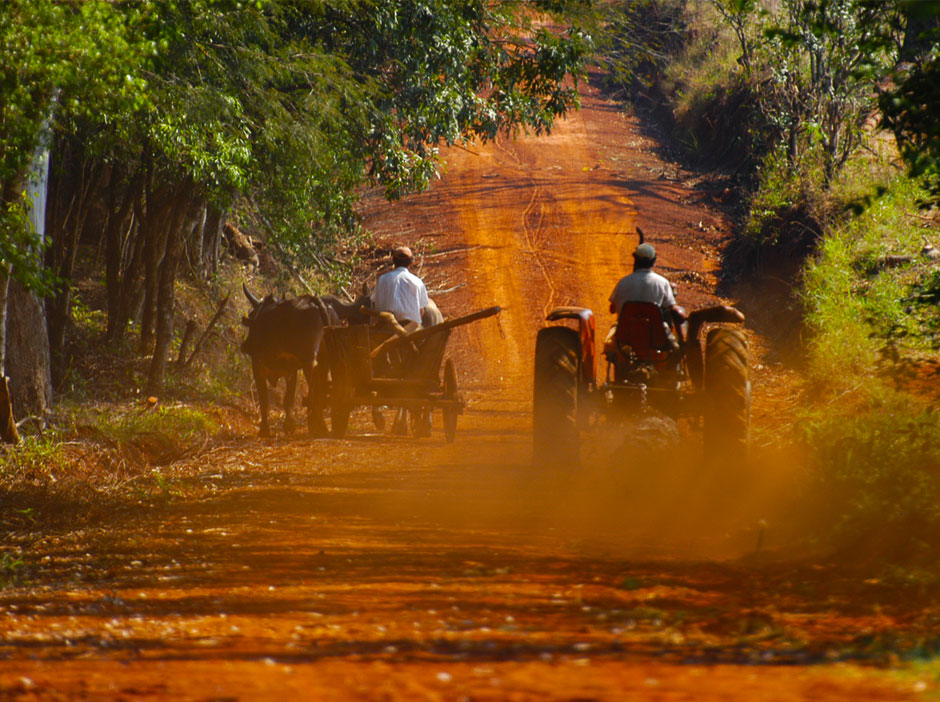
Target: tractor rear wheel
x,y
727,393
555,397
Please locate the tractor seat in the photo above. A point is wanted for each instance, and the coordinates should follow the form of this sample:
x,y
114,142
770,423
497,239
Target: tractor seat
x,y
640,327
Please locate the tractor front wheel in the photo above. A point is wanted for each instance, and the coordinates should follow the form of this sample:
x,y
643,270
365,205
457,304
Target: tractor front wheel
x,y
555,397
727,393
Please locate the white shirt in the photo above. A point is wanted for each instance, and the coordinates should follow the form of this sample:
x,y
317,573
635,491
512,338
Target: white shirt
x,y
402,293
643,286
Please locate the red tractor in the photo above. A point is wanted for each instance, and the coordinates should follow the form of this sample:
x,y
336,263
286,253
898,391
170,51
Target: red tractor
x,y
648,371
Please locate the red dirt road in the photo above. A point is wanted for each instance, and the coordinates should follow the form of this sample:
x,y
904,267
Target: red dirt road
x,y
381,568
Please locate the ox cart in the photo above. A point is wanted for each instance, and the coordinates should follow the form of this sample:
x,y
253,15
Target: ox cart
x,y
369,368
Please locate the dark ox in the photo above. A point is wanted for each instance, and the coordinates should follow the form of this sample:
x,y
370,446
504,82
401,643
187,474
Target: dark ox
x,y
351,312
284,336
359,310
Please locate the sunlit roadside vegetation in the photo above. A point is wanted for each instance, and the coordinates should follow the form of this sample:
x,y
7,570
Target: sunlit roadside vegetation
x,y
793,101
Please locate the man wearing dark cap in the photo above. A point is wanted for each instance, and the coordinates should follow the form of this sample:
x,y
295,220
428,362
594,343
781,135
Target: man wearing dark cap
x,y
401,292
643,285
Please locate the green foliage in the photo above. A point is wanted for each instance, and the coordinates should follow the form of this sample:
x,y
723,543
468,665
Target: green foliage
x,y
11,567
879,464
822,58
293,105
61,61
181,424
778,188
92,322
911,106
858,309
874,444
33,455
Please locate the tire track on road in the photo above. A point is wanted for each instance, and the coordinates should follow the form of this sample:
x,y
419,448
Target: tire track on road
x,y
534,238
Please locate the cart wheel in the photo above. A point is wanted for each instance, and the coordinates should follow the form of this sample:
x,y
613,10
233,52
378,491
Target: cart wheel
x,y
450,393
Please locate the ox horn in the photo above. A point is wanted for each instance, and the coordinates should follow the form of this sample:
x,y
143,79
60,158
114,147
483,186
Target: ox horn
x,y
324,312
255,302
642,235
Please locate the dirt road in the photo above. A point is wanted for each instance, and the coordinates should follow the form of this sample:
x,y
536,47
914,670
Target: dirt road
x,y
380,568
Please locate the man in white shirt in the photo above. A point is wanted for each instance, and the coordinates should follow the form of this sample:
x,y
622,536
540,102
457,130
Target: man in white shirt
x,y
643,285
401,292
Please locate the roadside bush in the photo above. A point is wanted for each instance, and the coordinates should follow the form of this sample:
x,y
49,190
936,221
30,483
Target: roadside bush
x,y
878,466
35,459
874,441
857,291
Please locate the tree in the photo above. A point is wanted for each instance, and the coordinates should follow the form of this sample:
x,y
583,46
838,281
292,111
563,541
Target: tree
x,y
59,59
821,57
911,107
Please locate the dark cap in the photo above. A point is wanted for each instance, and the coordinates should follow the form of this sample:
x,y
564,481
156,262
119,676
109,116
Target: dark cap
x,y
402,253
645,252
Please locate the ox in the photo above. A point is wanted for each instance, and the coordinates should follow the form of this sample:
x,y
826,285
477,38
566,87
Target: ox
x,y
284,337
351,312
359,311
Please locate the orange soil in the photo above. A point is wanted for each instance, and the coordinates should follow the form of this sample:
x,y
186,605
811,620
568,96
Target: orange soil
x,y
382,568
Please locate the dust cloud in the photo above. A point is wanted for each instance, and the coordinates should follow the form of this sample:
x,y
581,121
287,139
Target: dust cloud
x,y
641,489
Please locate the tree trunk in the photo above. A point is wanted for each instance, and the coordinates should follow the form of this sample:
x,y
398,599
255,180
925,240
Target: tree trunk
x,y
28,358
196,241
215,221
8,432
188,337
132,257
181,226
113,259
158,225
63,254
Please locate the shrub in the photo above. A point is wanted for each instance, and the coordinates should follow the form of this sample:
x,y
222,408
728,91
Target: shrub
x,y
878,465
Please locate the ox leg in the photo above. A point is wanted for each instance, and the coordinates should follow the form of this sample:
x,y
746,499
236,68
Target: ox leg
x,y
261,384
400,427
316,427
290,393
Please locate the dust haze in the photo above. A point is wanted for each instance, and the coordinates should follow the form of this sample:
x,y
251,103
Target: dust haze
x,y
642,489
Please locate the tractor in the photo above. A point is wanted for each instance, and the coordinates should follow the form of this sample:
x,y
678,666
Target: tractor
x,y
648,370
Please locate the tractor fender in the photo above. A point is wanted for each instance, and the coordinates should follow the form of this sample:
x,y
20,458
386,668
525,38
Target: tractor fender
x,y
694,355
587,332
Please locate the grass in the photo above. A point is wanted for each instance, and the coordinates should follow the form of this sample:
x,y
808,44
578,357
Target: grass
x,y
35,456
860,309
11,569
873,435
183,423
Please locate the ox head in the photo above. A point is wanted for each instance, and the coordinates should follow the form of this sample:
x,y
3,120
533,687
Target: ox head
x,y
362,302
354,311
257,304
